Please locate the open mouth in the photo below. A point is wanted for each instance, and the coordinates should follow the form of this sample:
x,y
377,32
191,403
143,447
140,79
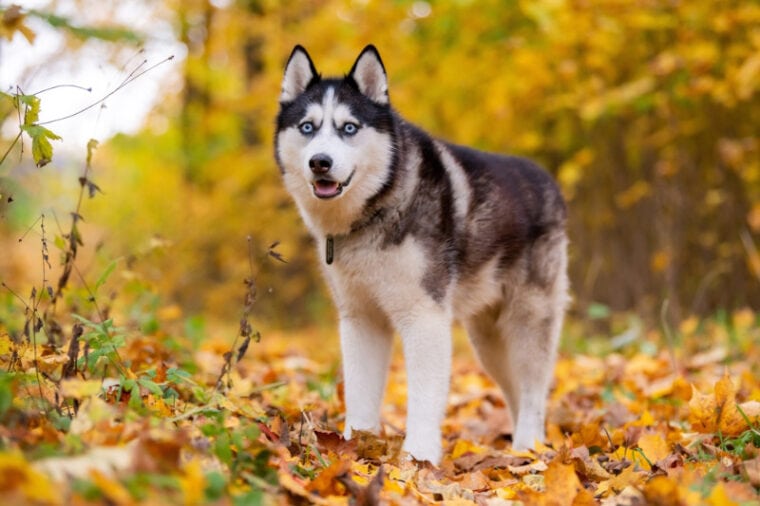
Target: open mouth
x,y
327,188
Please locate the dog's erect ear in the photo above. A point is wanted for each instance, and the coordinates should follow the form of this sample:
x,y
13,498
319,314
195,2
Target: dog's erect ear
x,y
299,72
369,74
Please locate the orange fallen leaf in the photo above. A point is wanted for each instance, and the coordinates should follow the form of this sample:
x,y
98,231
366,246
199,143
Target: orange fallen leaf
x,y
661,491
475,481
719,412
702,411
561,486
326,484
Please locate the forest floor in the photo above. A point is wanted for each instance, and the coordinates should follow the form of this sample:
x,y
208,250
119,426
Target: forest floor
x,y
151,416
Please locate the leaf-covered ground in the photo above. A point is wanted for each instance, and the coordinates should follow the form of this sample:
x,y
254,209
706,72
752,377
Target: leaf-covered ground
x,y
126,416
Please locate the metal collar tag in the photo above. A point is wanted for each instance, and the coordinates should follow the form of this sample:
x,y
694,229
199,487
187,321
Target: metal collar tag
x,y
329,249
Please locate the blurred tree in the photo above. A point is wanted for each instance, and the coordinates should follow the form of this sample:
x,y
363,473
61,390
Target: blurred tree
x,y
646,111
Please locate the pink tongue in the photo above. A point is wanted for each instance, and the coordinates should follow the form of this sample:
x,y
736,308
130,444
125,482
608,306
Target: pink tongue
x,y
325,188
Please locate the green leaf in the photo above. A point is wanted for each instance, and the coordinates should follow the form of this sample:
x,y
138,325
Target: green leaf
x,y
32,111
222,448
111,34
59,243
598,311
128,385
103,277
215,485
151,386
135,401
42,150
91,145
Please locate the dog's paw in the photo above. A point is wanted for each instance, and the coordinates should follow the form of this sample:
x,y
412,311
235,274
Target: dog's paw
x,y
526,440
423,450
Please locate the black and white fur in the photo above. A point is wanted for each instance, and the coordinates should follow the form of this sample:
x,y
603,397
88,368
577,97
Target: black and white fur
x,y
415,233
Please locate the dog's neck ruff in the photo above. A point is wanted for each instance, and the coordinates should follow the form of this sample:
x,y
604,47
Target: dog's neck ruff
x,y
356,227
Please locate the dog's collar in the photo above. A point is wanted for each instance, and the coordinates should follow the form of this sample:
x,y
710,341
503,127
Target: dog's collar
x,y
355,227
329,249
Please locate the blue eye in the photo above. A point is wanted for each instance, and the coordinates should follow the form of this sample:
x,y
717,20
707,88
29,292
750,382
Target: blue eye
x,y
306,128
350,128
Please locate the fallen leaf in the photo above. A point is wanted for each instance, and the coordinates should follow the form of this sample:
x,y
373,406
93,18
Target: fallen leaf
x,y
364,496
720,497
106,461
192,483
326,483
114,491
752,470
76,388
18,477
662,491
730,421
654,447
561,486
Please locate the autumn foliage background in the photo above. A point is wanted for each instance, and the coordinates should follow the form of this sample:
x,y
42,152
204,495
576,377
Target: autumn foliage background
x,y
647,113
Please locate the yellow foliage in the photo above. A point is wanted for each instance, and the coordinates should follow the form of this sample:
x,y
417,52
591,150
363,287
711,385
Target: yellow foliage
x,y
617,99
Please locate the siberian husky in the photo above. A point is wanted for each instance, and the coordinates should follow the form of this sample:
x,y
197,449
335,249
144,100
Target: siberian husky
x,y
414,233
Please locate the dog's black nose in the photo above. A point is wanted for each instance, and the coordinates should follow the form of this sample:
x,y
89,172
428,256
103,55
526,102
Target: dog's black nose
x,y
320,163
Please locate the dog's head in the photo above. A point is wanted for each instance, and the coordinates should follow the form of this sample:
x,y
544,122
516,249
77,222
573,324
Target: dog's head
x,y
334,136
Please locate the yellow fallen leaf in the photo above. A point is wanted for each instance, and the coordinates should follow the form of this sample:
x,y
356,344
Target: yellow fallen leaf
x,y
462,447
719,496
397,480
702,408
17,475
361,473
661,490
6,345
114,491
655,448
192,483
77,388
629,477
645,420
730,421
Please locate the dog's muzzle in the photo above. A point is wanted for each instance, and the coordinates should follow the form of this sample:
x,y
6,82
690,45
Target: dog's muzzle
x,y
325,188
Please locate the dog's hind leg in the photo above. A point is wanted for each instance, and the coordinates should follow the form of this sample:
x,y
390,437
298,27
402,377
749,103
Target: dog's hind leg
x,y
531,329
366,348
490,347
517,340
531,324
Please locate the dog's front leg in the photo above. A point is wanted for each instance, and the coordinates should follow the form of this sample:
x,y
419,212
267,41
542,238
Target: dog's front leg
x,y
366,345
427,352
